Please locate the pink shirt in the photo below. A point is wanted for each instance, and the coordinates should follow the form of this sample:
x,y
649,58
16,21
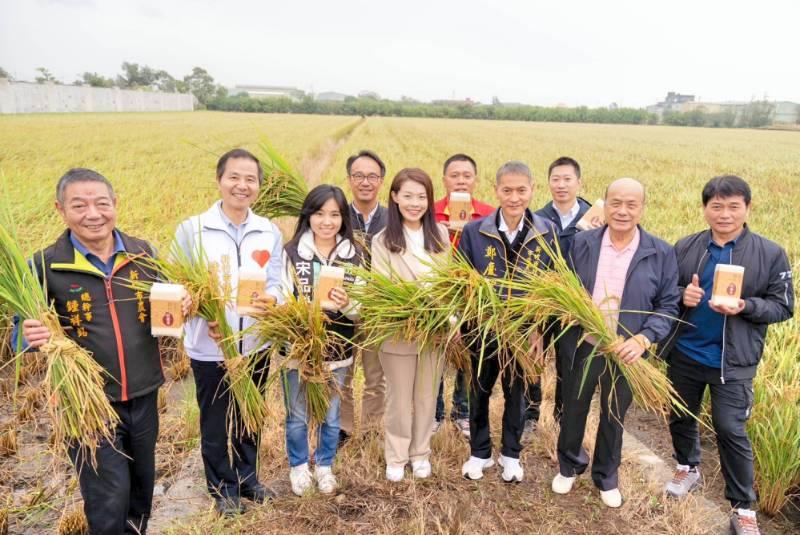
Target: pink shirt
x,y
609,281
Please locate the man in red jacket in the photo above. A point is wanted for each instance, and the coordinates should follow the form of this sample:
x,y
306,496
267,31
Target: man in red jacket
x,y
460,175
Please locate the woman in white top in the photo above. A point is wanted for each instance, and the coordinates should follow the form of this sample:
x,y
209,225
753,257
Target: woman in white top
x,y
410,241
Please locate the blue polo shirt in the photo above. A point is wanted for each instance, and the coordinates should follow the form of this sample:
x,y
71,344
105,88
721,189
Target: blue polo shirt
x,y
96,261
701,340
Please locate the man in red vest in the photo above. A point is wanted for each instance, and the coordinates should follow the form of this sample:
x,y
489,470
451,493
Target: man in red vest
x,y
460,175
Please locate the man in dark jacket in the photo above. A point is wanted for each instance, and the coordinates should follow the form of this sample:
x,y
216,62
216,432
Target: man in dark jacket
x,y
720,346
501,245
86,272
365,171
564,212
633,278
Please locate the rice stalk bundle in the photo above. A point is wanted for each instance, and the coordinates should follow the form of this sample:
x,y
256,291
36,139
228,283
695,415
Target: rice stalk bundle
x,y
542,296
298,331
774,427
481,305
209,286
78,406
283,190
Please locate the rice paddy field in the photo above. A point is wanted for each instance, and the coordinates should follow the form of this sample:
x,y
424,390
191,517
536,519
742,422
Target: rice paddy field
x,y
162,167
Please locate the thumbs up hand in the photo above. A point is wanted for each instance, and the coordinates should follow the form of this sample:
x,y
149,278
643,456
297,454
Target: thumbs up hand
x,y
693,292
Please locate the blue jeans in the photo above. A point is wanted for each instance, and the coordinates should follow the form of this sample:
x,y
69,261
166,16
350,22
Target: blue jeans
x,y
294,395
460,409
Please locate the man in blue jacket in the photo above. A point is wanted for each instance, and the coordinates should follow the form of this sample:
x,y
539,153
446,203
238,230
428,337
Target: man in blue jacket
x,y
633,277
501,245
564,212
720,346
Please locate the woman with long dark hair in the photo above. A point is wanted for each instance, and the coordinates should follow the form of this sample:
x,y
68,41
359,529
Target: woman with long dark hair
x,y
404,249
323,237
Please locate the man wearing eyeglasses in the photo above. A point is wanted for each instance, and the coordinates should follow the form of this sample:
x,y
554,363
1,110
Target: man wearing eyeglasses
x,y
365,172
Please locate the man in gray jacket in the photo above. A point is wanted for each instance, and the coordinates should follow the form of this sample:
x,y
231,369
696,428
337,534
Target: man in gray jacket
x,y
720,346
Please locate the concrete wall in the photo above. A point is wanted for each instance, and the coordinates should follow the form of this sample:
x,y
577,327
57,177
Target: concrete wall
x,y
25,97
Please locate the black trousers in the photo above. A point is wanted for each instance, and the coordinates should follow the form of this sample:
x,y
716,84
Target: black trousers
x,y
118,495
226,476
731,404
481,390
615,398
533,396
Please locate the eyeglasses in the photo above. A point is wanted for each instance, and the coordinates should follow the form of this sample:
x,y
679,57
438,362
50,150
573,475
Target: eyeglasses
x,y
360,177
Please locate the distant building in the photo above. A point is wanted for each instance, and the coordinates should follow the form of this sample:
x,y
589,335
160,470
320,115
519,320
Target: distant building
x,y
448,102
268,91
786,113
369,94
673,102
330,96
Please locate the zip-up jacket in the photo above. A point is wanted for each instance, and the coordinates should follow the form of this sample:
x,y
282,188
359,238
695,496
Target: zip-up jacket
x,y
483,247
650,297
104,315
302,265
767,292
260,247
565,235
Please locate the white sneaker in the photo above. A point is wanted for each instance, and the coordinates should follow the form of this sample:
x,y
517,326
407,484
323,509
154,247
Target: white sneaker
x,y
684,480
436,427
562,484
326,481
612,498
421,468
300,476
512,469
395,473
463,426
474,467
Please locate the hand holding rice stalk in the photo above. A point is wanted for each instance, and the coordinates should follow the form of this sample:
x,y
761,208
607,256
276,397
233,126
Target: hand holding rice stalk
x,y
557,293
298,329
283,190
211,295
410,310
481,304
74,381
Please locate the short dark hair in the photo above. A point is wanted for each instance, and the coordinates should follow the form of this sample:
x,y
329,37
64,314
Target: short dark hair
x,y
565,160
726,186
459,158
238,153
366,154
80,174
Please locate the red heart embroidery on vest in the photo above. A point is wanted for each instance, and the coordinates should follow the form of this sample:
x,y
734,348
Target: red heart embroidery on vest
x,y
261,256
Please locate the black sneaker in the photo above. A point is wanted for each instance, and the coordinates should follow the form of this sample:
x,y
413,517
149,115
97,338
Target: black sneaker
x,y
344,436
229,506
258,493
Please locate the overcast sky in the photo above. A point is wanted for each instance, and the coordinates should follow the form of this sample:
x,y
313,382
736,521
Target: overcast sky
x,y
560,51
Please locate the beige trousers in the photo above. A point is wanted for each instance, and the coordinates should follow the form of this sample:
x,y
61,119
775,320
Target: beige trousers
x,y
373,398
412,384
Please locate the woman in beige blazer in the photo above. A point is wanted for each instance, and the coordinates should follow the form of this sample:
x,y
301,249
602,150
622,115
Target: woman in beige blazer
x,y
404,249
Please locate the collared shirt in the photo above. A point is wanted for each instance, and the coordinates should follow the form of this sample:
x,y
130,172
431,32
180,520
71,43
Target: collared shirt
x,y
701,340
442,213
567,218
609,281
510,234
236,231
106,267
364,220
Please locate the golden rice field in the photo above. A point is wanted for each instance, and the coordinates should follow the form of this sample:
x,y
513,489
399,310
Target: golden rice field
x,y
162,166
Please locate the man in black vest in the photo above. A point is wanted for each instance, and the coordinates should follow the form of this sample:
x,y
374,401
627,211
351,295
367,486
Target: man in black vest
x,y
365,171
86,272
